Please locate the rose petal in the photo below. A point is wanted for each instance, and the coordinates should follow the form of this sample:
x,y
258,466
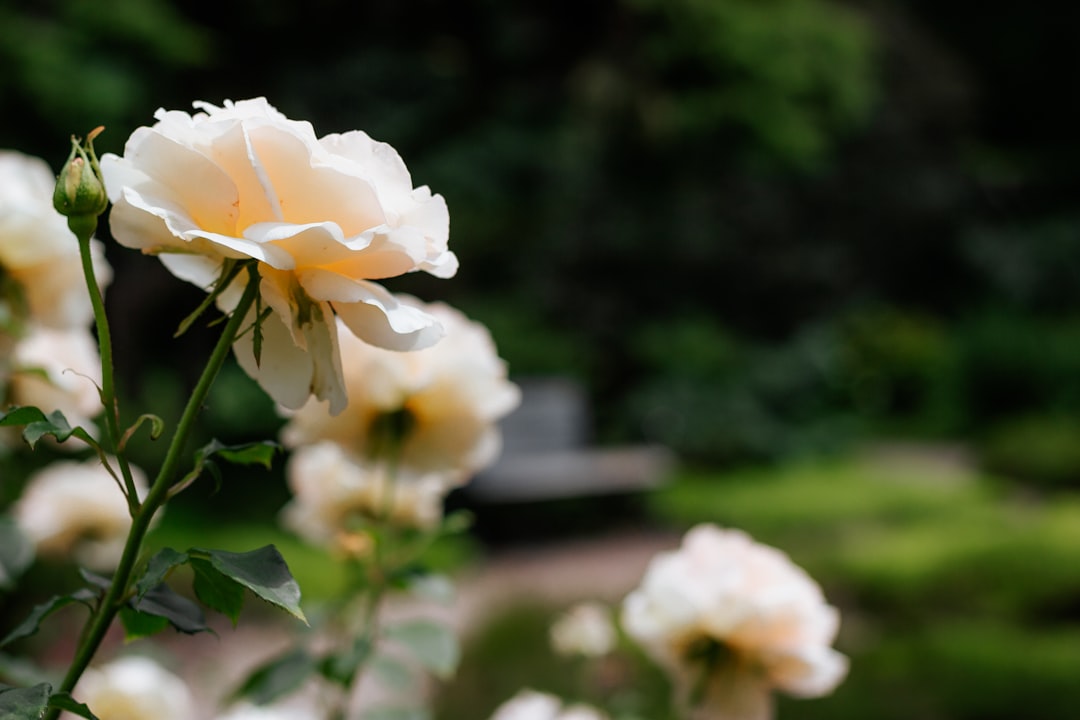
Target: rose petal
x,y
372,313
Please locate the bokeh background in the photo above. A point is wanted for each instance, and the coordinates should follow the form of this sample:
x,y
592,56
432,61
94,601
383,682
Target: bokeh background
x,y
827,253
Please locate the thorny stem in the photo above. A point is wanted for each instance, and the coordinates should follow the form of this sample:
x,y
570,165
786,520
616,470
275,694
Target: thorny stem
x,y
117,593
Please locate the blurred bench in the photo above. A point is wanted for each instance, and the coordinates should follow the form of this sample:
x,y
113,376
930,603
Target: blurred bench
x,y
546,453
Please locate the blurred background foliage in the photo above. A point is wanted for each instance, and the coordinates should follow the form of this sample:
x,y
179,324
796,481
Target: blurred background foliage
x,y
757,231
752,229
775,178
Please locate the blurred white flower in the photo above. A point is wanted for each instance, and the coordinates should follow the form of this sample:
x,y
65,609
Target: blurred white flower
x,y
134,688
75,509
533,705
58,370
332,489
38,251
585,629
322,217
439,406
731,620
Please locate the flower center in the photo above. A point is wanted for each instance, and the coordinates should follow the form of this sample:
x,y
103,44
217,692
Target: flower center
x,y
388,433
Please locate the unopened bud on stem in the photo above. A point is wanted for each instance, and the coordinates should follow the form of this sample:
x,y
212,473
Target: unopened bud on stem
x,y
80,191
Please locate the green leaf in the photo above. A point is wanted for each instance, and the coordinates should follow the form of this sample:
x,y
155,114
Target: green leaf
x,y
341,667
262,571
394,674
21,416
55,424
24,703
63,701
433,644
277,677
256,453
182,614
217,590
30,625
139,624
158,568
434,587
397,713
98,581
16,553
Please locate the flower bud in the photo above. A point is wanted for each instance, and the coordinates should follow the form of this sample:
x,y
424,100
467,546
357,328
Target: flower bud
x,y
80,191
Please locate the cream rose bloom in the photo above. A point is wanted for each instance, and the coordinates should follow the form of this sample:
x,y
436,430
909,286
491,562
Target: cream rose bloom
x,y
533,705
732,619
58,370
38,251
134,688
332,490
444,401
322,217
75,509
585,629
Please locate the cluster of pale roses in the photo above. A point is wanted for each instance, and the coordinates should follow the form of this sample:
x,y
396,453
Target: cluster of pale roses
x,y
49,359
390,402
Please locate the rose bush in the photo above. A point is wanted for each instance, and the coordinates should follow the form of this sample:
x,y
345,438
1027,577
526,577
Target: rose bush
x,y
321,217
731,619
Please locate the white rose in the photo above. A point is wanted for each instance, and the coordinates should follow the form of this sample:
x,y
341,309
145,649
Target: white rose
x,y
533,705
585,629
447,399
134,688
76,509
58,370
331,490
761,619
322,217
